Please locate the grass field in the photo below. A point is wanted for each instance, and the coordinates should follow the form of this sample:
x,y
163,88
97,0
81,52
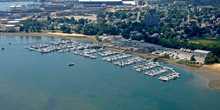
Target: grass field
x,y
207,40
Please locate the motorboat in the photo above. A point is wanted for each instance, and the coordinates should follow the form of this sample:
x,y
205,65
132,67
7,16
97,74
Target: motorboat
x,y
70,64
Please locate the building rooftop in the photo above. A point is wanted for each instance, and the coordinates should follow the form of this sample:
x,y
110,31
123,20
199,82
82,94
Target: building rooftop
x,y
202,51
13,21
100,0
9,25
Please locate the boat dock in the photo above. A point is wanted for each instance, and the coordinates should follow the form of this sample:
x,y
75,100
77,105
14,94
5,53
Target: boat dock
x,y
150,67
171,76
116,57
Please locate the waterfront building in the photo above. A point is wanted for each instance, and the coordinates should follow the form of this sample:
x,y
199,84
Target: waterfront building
x,y
129,2
21,21
201,53
4,21
100,2
16,23
16,8
9,27
151,19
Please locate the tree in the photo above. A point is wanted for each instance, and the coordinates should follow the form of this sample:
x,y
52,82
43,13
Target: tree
x,y
123,16
110,14
63,28
211,59
192,59
101,15
68,30
117,14
78,28
72,19
97,38
26,30
126,34
21,29
48,18
51,28
89,30
82,21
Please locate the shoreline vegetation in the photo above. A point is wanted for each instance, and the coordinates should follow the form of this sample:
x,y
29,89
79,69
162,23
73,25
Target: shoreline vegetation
x,y
211,72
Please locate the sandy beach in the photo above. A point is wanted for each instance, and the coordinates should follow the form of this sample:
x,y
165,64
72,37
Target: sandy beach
x,y
211,72
50,34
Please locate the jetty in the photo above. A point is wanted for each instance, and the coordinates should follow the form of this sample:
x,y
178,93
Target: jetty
x,y
129,61
147,66
108,53
116,57
156,72
171,76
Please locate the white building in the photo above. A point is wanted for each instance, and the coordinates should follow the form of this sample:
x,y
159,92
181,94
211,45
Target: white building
x,y
21,21
201,53
128,2
16,23
15,8
4,21
9,27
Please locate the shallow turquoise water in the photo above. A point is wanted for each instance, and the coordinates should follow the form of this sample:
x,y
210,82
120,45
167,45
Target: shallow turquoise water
x,y
34,81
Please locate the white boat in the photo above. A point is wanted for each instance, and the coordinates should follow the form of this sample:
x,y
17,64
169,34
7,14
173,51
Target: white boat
x,y
70,64
93,57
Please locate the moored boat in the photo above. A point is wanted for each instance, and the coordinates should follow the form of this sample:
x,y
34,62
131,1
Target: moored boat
x,y
70,64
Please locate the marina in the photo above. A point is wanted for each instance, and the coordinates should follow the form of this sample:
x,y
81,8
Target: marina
x,y
156,72
44,81
116,57
110,55
88,51
147,66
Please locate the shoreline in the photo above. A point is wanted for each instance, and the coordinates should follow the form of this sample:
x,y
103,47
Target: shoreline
x,y
212,74
50,34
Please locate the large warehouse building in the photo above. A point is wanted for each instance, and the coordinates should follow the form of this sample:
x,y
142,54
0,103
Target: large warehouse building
x,y
107,2
201,53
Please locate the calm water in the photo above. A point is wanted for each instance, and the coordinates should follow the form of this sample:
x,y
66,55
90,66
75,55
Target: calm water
x,y
34,81
6,5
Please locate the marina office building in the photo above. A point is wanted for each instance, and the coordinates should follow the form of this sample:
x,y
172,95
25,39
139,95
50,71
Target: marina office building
x,y
201,53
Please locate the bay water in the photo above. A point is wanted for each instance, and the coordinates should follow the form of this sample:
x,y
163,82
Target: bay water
x,y
33,81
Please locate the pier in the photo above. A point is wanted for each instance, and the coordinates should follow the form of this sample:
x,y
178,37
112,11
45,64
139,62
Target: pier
x,y
171,76
150,67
